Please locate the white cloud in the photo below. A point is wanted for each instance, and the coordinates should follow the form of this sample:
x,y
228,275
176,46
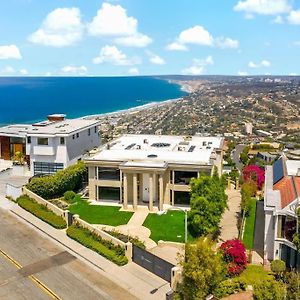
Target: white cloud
x,y
198,66
198,35
74,70
111,54
294,17
155,59
10,52
23,72
133,71
242,73
263,63
296,43
224,43
278,20
263,7
175,46
62,27
7,71
138,40
293,74
113,21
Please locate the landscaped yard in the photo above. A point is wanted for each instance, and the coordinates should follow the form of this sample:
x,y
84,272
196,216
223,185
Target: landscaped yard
x,y
167,227
255,274
100,214
248,237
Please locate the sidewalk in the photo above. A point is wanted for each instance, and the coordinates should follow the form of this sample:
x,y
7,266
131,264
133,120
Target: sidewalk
x,y
132,277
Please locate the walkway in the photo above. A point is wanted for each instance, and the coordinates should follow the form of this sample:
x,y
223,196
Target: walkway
x,y
229,222
258,247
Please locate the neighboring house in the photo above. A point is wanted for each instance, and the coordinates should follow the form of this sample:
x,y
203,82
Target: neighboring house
x,y
266,156
282,192
152,169
50,145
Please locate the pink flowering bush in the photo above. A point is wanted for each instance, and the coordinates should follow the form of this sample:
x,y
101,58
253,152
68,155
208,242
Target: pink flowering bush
x,y
234,254
254,173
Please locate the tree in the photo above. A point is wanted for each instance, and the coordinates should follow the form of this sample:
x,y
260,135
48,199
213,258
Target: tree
x,y
254,173
234,254
208,202
203,269
278,267
248,191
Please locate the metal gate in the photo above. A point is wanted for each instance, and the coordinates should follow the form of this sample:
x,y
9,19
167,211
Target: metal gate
x,y
152,263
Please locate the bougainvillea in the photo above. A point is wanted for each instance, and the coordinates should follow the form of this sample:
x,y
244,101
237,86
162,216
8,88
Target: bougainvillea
x,y
254,173
234,254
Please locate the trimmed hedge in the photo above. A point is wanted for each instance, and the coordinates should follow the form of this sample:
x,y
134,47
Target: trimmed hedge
x,y
54,186
229,287
94,242
42,212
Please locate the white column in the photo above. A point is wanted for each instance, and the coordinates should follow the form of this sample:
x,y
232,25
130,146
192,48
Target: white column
x,y
125,189
135,191
151,192
161,192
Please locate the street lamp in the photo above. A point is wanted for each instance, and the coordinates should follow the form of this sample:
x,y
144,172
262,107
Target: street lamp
x,y
185,218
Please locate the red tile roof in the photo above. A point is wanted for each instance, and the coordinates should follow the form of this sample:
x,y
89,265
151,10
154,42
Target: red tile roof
x,y
287,190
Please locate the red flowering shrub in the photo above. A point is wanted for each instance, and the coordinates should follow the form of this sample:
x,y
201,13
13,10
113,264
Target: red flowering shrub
x,y
234,254
254,173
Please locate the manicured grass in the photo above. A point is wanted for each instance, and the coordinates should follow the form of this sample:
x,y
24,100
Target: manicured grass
x,y
248,237
94,242
42,212
100,214
167,227
255,274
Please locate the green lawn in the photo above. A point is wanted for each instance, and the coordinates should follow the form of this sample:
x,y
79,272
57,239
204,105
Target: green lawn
x,y
248,237
255,274
167,227
100,214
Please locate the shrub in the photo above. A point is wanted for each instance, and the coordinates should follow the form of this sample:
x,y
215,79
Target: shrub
x,y
229,287
94,242
268,290
42,212
69,196
124,238
234,254
54,186
254,173
278,267
292,280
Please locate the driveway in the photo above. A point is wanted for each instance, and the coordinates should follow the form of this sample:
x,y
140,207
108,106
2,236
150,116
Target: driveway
x,y
236,156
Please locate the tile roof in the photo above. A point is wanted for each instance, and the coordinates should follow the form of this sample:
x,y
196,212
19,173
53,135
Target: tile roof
x,y
287,190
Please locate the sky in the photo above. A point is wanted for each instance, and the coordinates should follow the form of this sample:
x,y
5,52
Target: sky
x,y
143,37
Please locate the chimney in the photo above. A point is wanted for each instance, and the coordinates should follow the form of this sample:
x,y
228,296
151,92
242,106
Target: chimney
x,y
56,117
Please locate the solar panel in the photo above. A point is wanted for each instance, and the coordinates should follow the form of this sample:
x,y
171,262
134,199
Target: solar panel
x,y
278,171
130,146
192,148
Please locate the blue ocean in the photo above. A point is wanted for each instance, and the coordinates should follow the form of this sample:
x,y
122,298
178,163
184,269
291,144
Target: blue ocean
x,y
30,99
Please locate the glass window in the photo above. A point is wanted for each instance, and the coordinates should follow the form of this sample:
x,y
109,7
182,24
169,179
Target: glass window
x,y
62,140
77,135
181,198
42,141
46,168
29,140
108,193
108,174
89,131
95,129
286,227
73,136
184,177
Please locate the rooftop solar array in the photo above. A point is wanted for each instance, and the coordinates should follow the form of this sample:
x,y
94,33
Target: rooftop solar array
x,y
278,171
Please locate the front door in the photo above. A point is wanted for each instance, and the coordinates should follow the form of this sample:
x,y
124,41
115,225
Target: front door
x,y
146,186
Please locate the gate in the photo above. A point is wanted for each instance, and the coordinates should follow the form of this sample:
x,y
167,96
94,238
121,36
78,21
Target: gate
x,y
152,263
70,219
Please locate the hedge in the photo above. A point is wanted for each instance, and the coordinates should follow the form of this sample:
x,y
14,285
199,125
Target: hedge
x,y
94,242
54,186
42,212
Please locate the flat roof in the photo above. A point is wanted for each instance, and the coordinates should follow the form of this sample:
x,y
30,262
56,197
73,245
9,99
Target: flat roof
x,y
64,127
293,166
160,148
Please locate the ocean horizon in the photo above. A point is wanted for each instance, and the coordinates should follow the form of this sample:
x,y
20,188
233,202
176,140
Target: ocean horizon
x,y
31,99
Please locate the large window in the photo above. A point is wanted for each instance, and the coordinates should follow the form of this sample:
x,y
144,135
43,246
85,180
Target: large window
x,y
42,141
46,168
182,198
287,227
108,174
184,177
108,193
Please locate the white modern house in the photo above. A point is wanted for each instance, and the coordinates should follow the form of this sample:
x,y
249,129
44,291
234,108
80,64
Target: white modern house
x,y
151,169
282,199
50,145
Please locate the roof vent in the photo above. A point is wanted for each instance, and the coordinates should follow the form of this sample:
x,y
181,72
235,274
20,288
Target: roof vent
x,y
152,156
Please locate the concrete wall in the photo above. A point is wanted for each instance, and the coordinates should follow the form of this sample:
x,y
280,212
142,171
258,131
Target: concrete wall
x,y
13,192
269,235
127,246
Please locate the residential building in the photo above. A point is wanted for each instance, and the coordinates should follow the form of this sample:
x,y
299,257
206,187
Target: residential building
x,y
248,128
50,145
151,169
282,192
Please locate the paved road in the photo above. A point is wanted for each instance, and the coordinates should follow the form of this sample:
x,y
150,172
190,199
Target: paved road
x,y
59,270
236,156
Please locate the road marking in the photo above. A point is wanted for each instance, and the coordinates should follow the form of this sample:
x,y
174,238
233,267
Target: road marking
x,y
40,284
